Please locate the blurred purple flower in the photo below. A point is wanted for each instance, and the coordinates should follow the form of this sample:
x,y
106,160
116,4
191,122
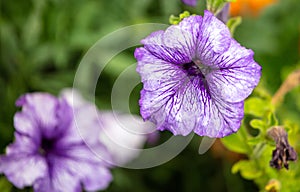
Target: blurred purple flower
x,y
49,153
124,135
190,2
195,78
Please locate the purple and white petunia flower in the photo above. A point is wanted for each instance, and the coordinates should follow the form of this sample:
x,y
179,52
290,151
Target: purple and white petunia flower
x,y
190,2
49,153
195,78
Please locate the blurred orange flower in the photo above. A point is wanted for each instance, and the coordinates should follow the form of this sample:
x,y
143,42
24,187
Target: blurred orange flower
x,y
250,7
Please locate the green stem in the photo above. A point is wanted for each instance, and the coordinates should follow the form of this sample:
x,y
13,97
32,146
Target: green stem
x,y
251,153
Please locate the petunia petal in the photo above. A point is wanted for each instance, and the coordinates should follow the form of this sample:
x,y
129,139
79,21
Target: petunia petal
x,y
178,43
237,76
42,108
95,177
59,179
170,97
73,98
27,126
190,2
93,153
86,125
214,39
68,173
22,145
123,135
41,105
22,169
219,119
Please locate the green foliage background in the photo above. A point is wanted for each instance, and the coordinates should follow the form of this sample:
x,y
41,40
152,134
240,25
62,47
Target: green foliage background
x,y
43,41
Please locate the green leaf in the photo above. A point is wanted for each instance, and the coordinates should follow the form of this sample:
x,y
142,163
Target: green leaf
x,y
255,140
258,124
256,106
272,119
173,20
236,143
248,169
233,22
5,186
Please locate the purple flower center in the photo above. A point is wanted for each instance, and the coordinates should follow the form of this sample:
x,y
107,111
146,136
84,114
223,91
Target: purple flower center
x,y
198,70
195,68
192,69
47,146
